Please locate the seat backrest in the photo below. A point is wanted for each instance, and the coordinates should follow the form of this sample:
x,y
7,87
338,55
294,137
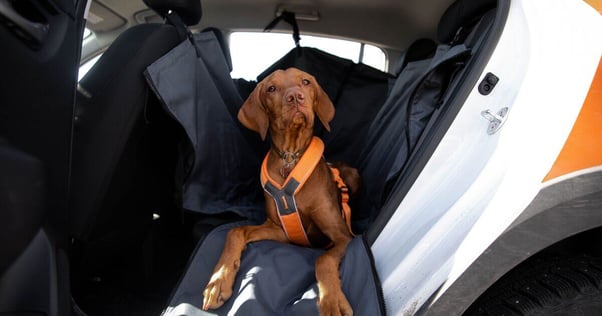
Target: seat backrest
x,y
223,44
420,49
418,91
115,113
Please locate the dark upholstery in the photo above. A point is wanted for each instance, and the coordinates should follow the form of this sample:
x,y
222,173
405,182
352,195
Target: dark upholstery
x,y
109,127
124,151
190,11
222,43
422,48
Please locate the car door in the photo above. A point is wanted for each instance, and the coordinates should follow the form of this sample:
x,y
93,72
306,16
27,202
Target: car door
x,y
483,173
39,59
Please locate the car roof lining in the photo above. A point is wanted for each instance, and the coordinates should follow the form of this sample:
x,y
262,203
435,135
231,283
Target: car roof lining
x,y
384,23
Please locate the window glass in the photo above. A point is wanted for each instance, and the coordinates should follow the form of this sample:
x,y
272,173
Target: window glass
x,y
83,69
253,52
87,32
375,57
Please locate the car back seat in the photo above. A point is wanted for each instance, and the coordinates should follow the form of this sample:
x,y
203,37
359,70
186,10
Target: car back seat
x,y
123,144
420,49
391,137
222,158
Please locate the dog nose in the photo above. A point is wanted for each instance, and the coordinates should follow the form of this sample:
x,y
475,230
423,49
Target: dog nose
x,y
295,96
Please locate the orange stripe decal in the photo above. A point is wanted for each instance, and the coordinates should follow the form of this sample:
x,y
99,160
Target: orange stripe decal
x,y
583,147
596,4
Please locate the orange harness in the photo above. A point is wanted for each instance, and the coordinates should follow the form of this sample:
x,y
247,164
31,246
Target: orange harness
x,y
284,195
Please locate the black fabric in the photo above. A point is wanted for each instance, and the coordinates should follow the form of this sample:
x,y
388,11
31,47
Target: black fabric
x,y
460,14
22,201
244,88
108,175
420,92
420,49
275,279
123,158
180,26
190,11
325,67
200,94
222,43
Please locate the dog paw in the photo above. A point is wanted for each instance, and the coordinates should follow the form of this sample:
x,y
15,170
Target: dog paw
x,y
335,305
218,290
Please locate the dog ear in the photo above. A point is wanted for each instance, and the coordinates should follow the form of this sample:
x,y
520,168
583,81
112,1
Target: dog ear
x,y
252,113
324,107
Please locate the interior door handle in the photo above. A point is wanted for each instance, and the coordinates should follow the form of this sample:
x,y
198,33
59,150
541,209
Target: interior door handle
x,y
33,31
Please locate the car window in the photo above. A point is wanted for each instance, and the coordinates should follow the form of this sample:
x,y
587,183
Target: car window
x,y
253,52
85,67
87,33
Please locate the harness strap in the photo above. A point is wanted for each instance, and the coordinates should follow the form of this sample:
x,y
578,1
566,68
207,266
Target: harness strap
x,y
345,209
284,195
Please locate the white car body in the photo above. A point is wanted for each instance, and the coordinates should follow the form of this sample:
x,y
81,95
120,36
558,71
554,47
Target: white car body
x,y
476,184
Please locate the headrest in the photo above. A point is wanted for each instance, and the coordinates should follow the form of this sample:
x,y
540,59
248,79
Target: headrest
x,y
461,13
190,11
420,49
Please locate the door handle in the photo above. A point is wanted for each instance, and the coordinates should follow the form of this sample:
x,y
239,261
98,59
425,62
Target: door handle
x,y
20,25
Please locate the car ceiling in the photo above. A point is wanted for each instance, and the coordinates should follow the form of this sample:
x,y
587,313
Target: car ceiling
x,y
386,23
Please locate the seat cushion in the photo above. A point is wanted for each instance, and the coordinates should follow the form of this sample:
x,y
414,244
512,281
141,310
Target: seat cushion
x,y
275,279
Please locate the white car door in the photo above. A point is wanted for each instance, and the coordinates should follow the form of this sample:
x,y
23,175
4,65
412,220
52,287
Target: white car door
x,y
482,176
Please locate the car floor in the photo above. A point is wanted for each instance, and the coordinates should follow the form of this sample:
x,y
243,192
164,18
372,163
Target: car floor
x,y
140,282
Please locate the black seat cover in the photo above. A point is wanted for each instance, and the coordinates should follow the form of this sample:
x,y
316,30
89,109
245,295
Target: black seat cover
x,y
116,143
420,89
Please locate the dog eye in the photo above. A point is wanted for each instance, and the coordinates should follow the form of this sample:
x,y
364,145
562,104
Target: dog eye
x,y
305,82
271,88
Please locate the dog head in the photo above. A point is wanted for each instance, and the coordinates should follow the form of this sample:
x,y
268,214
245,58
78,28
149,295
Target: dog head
x,y
287,100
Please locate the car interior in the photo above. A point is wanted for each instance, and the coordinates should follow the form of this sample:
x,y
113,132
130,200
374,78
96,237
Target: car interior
x,y
150,180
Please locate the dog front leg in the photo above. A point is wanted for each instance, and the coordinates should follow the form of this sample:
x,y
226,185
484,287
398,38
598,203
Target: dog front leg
x,y
219,288
331,299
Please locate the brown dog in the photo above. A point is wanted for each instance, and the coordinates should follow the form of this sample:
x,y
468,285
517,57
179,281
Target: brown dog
x,y
285,104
